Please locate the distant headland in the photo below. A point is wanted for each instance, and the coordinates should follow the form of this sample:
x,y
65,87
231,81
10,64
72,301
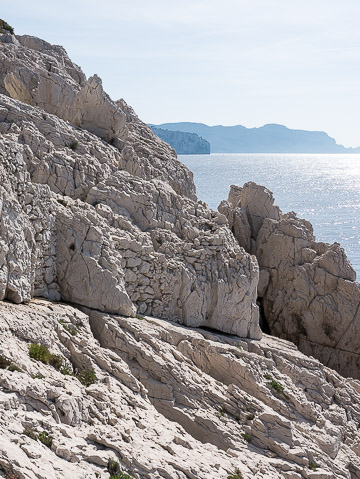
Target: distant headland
x,y
183,142
271,138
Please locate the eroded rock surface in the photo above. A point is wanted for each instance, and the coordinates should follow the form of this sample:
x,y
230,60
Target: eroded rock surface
x,y
168,401
307,288
114,227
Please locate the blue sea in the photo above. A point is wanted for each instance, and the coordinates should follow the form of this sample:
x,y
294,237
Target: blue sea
x,y
324,189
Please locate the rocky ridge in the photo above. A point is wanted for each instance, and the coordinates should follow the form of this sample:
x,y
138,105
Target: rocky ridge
x,y
112,226
99,217
307,289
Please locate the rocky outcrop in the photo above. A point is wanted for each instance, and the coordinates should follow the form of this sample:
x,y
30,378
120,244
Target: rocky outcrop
x,y
40,74
98,212
166,401
307,289
184,143
113,227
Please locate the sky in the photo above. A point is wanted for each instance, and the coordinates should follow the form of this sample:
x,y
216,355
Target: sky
x,y
229,62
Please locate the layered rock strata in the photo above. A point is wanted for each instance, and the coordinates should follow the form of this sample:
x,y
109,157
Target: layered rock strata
x,y
307,289
114,226
167,401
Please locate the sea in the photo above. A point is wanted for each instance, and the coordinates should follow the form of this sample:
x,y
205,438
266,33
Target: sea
x,y
324,189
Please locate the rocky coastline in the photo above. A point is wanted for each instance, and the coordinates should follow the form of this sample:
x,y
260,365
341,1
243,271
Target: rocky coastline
x,y
131,313
184,143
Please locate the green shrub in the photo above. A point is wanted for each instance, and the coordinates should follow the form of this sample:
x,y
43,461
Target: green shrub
x,y
138,316
313,466
14,367
70,329
66,370
121,475
45,438
55,361
247,437
39,352
5,26
115,471
87,377
113,466
250,417
276,386
38,376
235,475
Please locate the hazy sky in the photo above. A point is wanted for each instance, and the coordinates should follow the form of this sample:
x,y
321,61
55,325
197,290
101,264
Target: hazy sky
x,y
294,62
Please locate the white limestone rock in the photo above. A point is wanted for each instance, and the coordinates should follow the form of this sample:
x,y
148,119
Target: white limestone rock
x,y
307,289
122,242
168,401
40,74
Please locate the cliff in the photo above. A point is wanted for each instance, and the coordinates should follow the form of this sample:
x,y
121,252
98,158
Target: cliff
x,y
307,289
184,143
130,342
270,138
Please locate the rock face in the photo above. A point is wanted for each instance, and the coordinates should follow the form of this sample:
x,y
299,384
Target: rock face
x,y
112,226
168,401
96,211
184,143
307,289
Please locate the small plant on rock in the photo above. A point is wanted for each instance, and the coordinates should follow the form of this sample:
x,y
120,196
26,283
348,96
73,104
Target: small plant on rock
x,y
7,364
45,438
67,370
115,471
235,475
87,377
247,436
313,466
250,417
276,386
113,466
5,27
14,367
39,352
70,329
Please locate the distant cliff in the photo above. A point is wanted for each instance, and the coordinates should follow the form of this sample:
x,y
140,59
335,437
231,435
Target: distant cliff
x,y
270,138
183,142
